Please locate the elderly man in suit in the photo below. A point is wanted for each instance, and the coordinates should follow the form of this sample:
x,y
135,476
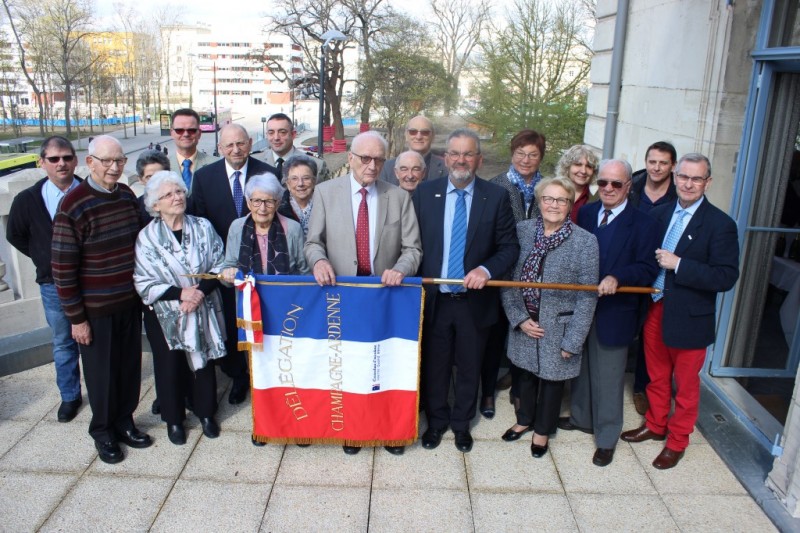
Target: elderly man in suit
x,y
699,258
363,227
218,195
468,232
419,138
281,135
186,159
627,238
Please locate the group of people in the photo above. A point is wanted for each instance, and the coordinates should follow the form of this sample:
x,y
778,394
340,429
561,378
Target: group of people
x,y
104,257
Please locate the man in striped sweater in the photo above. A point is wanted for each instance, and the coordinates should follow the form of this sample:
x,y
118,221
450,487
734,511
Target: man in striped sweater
x,y
94,235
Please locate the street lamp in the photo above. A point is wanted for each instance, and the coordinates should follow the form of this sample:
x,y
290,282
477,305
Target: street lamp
x,y
216,124
328,36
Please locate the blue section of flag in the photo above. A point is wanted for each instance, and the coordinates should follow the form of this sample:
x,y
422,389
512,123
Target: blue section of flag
x,y
343,309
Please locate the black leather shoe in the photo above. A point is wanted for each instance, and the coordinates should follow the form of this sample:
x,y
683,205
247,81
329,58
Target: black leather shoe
x,y
257,443
156,407
487,407
176,434
351,450
603,456
68,410
109,452
566,425
463,441
395,450
432,437
510,435
134,438
210,427
303,445
539,451
239,390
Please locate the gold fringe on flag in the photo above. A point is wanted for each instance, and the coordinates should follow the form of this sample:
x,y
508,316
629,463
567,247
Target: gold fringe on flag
x,y
247,324
244,345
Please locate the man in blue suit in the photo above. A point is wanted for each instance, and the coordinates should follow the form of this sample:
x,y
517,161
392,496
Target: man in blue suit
x,y
627,238
699,258
467,231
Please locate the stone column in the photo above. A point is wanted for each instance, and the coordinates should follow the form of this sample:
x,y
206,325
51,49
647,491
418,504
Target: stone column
x,y
6,295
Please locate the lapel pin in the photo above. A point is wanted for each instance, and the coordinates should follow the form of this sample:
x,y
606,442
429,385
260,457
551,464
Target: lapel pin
x,y
437,195
690,237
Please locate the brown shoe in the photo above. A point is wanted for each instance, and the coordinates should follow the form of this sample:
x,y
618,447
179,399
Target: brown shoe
x,y
641,434
640,402
667,459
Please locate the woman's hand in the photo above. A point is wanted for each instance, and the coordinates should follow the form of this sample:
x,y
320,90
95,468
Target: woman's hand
x,y
229,275
565,354
532,329
191,298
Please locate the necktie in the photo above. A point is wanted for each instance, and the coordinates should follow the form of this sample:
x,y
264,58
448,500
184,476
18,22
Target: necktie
x,y
238,195
604,222
362,236
187,174
458,241
670,242
279,166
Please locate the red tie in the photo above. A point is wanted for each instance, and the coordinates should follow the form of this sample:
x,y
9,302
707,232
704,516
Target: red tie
x,y
362,236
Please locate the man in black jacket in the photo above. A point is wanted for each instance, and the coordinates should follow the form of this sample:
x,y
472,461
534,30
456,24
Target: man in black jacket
x,y
30,230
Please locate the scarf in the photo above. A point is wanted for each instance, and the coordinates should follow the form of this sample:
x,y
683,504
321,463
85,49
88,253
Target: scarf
x,y
526,189
303,214
533,268
277,250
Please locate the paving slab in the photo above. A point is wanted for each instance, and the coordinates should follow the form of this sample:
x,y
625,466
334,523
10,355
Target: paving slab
x,y
518,511
231,457
618,512
293,509
325,465
419,468
161,460
623,476
432,510
28,498
508,466
705,513
11,431
24,399
51,447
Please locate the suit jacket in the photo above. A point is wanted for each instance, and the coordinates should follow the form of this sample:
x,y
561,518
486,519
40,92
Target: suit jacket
x,y
709,252
269,157
491,242
332,232
202,159
434,169
629,257
212,197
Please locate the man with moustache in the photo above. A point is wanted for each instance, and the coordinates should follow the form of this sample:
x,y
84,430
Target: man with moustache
x,y
187,159
419,138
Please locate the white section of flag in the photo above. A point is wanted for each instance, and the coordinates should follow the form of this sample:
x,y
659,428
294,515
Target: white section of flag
x,y
392,364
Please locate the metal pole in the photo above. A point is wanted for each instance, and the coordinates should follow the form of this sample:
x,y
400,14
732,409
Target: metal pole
x,y
320,151
216,115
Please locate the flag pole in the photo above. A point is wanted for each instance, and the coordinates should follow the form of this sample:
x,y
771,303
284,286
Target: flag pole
x,y
533,285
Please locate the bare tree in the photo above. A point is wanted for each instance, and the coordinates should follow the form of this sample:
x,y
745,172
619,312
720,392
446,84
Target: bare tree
x,y
458,28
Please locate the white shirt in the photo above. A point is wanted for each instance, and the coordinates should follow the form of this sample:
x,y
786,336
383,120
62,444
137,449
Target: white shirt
x,y
230,170
613,215
372,209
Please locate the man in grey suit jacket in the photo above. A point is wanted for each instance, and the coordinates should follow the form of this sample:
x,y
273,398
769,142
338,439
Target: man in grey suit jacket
x,y
419,138
281,135
185,131
342,205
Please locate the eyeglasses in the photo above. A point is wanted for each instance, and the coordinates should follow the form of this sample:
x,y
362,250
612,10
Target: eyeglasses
x,y
531,156
189,131
108,162
170,196
548,200
696,180
366,160
466,155
415,132
57,158
241,145
615,184
258,202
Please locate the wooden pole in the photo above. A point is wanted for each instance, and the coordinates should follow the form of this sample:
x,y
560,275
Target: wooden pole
x,y
532,285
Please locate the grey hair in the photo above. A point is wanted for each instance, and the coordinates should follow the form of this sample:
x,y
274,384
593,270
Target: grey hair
x,y
574,155
148,157
564,183
156,181
92,148
625,165
465,132
411,153
370,134
696,157
300,160
266,183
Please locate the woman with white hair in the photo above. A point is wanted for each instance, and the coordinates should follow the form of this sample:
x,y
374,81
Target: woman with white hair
x,y
188,314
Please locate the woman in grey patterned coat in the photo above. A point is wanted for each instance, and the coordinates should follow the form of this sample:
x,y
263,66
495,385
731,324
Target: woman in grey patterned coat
x,y
548,327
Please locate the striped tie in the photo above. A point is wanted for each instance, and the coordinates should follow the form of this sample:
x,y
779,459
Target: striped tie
x,y
670,242
458,241
604,222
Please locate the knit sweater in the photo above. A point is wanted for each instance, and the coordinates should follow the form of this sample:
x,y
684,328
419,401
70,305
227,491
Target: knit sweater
x,y
93,254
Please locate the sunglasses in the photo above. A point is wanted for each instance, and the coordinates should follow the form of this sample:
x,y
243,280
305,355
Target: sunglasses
x,y
615,184
414,133
57,158
181,131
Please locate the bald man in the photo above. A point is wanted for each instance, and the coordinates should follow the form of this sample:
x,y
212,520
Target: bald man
x,y
419,138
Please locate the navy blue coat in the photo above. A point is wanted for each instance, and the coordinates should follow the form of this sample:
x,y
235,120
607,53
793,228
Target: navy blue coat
x,y
709,252
631,259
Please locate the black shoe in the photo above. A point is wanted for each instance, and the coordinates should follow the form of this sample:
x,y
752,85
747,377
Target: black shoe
x,y
487,407
351,450
566,425
210,427
463,441
257,443
109,452
156,407
68,410
134,438
303,445
539,451
395,450
239,390
176,434
603,456
510,435
432,437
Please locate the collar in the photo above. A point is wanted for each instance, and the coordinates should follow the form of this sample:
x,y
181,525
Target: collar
x,y
617,210
692,209
355,186
469,189
230,170
181,159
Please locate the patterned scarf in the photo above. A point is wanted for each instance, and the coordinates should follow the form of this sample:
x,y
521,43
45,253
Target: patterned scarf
x,y
533,268
525,188
277,251
303,214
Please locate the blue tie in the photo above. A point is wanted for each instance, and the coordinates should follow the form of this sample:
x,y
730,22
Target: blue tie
x,y
458,241
238,195
670,242
187,174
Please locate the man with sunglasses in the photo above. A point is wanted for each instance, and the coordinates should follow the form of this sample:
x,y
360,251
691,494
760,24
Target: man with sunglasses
x,y
187,159
626,237
361,226
419,138
30,230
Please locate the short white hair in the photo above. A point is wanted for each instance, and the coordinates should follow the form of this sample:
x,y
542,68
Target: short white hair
x,y
154,184
266,183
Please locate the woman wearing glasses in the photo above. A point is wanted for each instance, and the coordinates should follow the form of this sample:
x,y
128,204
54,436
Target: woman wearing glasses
x,y
579,164
300,176
189,313
548,327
